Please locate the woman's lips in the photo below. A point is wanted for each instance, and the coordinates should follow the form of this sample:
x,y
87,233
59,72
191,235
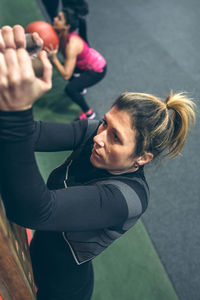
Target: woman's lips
x,y
95,153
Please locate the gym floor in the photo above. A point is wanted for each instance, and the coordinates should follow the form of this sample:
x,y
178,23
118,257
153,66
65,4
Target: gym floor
x,y
150,46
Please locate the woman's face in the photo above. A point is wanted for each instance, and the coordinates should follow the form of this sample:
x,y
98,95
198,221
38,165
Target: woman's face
x,y
59,22
114,144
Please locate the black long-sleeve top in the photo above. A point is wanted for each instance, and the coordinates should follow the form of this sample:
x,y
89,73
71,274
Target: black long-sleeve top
x,y
83,206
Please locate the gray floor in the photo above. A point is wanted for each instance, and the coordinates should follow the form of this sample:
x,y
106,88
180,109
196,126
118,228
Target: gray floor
x,y
154,46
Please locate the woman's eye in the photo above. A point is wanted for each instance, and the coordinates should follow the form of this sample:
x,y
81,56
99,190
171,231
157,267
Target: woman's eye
x,y
104,123
115,137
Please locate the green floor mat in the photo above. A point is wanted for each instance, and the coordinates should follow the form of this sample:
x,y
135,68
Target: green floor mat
x,y
19,12
131,270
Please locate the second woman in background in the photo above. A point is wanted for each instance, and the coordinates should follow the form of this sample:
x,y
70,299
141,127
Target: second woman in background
x,y
79,6
83,66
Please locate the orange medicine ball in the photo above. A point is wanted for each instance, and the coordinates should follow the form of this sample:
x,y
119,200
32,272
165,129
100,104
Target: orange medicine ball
x,y
45,31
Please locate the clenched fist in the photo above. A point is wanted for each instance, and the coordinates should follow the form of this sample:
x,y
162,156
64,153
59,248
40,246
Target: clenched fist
x,y
19,87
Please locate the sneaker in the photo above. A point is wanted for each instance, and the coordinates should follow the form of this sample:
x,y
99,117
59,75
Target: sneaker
x,y
91,115
82,116
76,74
84,91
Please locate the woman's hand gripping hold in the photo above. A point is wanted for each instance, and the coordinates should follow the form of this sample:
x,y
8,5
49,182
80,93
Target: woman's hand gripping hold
x,y
19,86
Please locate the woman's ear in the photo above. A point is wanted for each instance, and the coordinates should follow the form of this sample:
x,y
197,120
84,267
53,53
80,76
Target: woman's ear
x,y
144,159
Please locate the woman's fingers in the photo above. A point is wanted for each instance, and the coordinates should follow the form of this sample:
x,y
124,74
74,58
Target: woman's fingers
x,y
3,73
2,43
19,88
25,65
14,74
9,78
47,69
39,42
8,37
47,49
19,37
12,37
3,83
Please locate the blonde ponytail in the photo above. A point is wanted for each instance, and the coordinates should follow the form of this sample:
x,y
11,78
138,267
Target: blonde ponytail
x,y
183,118
161,126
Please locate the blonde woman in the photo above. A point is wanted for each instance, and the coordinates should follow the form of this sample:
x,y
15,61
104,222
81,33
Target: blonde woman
x,y
99,192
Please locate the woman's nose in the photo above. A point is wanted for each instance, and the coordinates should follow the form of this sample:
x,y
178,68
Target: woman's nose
x,y
99,139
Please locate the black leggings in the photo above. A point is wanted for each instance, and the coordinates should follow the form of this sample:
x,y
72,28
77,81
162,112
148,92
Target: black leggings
x,y
77,84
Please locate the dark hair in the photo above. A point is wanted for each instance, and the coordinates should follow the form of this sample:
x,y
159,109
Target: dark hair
x,y
161,126
75,21
71,19
79,6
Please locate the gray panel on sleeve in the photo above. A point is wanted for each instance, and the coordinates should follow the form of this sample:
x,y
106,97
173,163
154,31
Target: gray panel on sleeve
x,y
131,197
